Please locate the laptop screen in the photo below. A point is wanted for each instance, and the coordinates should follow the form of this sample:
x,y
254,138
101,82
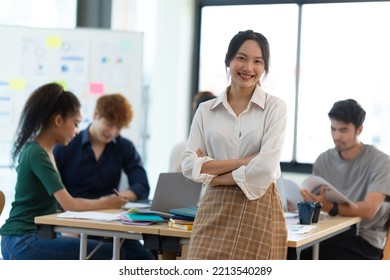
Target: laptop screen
x,y
173,190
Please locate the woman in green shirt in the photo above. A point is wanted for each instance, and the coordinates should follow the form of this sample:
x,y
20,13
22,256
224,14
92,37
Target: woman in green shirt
x,y
50,116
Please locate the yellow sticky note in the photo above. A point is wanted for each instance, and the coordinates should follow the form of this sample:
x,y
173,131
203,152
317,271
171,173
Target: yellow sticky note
x,y
53,42
62,83
17,84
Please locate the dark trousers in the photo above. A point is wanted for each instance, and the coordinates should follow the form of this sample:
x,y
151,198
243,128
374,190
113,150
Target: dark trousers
x,y
131,249
342,247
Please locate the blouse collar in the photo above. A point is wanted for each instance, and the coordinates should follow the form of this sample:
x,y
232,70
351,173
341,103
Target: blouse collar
x,y
259,98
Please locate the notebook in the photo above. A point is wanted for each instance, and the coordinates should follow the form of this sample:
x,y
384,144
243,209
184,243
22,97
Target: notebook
x,y
189,212
173,190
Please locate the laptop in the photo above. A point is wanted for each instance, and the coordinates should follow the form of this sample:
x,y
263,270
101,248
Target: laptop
x,y
173,190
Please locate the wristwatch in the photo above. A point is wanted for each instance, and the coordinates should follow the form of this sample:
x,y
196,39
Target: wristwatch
x,y
335,210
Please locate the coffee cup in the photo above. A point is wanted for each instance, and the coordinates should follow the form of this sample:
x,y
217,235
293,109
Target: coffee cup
x,y
306,211
317,210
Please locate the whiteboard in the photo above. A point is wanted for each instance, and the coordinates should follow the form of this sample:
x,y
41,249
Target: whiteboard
x,y
87,62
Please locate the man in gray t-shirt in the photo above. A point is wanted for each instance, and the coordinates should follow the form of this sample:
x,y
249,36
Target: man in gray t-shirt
x,y
362,173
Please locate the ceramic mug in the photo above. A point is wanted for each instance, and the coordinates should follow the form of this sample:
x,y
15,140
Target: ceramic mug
x,y
306,211
317,210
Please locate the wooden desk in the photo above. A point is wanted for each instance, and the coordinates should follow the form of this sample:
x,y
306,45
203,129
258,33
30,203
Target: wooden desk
x,y
50,224
326,228
173,243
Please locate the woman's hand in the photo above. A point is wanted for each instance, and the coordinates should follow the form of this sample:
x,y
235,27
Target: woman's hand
x,y
200,153
114,201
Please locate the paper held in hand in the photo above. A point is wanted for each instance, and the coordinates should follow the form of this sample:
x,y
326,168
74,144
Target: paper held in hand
x,y
313,184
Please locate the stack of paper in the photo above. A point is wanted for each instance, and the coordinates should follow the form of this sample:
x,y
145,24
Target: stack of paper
x,y
89,215
300,229
139,205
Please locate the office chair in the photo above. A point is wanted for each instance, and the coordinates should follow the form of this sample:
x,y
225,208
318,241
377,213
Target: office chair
x,y
2,201
386,249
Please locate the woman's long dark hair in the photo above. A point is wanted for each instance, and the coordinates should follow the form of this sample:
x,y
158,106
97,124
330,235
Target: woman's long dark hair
x,y
43,103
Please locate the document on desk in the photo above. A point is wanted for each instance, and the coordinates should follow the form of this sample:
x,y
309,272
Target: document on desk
x,y
90,215
291,215
300,229
294,227
139,205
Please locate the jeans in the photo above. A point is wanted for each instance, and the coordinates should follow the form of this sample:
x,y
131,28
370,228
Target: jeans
x,y
30,247
134,250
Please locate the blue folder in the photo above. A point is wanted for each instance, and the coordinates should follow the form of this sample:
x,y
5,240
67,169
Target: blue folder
x,y
185,212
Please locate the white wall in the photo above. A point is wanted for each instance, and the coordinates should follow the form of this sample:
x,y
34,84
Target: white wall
x,y
168,43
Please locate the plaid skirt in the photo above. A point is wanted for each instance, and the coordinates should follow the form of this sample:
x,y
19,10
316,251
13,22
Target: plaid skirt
x,y
228,226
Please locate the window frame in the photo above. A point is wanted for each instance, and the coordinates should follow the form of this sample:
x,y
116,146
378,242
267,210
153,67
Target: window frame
x,y
294,165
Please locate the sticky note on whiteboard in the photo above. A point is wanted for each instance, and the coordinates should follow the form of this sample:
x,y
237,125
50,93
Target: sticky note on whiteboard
x,y
17,84
62,83
125,45
96,88
53,42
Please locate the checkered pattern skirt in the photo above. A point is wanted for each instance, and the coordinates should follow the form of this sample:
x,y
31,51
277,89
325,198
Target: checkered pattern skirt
x,y
228,226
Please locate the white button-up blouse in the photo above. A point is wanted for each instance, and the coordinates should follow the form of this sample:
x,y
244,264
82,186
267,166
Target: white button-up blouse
x,y
221,135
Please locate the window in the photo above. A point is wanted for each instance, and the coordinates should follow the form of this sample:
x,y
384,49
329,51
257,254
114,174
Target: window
x,y
340,50
39,13
344,54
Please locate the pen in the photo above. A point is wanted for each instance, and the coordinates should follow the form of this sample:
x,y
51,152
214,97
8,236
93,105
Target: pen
x,y
115,191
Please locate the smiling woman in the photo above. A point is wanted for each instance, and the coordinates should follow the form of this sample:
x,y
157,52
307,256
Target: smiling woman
x,y
234,149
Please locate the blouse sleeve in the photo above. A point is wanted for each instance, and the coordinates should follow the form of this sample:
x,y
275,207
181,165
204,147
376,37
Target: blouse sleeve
x,y
264,169
192,164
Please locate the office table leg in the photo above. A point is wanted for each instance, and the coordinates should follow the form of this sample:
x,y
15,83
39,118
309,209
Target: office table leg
x,y
116,247
316,251
297,254
83,245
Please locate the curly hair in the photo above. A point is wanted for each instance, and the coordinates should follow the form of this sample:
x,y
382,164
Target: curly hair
x,y
115,108
46,101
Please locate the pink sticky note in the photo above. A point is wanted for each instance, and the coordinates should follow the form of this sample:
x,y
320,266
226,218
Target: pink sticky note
x,y
96,88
